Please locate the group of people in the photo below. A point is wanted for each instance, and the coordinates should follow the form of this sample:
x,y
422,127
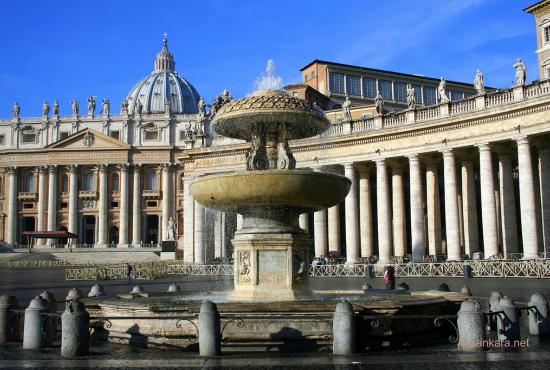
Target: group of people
x,y
331,259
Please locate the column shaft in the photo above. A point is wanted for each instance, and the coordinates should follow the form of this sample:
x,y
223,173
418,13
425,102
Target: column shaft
x,y
188,222
11,232
544,174
123,230
102,237
365,214
199,234
527,200
334,229
418,244
52,202
398,214
218,235
488,204
352,219
383,210
303,222
167,198
42,202
451,207
433,206
73,199
469,209
508,206
320,233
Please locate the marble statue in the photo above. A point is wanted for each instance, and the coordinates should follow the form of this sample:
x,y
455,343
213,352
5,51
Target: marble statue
x,y
171,230
106,105
442,91
201,105
74,106
139,106
379,103
411,97
45,109
521,72
91,105
16,109
56,108
346,111
478,83
124,106
219,101
88,139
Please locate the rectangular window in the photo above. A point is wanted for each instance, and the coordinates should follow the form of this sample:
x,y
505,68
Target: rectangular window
x,y
547,34
64,204
400,91
114,204
429,95
28,138
336,82
63,135
418,94
28,205
369,87
2,139
151,135
385,89
457,95
353,85
151,204
115,134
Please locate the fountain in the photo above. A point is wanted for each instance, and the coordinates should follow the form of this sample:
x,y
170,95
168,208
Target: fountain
x,y
270,251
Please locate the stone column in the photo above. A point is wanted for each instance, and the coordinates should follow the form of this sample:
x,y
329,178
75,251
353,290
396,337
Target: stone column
x,y
398,214
188,222
303,222
103,210
73,199
527,200
469,208
42,199
123,230
334,229
544,174
418,244
200,253
52,202
433,206
365,213
352,217
167,198
219,229
451,207
488,204
383,209
320,233
240,220
136,206
508,205
11,232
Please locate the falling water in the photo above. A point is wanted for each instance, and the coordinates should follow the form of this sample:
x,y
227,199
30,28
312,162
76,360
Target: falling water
x,y
268,80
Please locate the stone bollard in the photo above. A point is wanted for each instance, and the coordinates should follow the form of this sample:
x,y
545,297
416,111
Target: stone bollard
x,y
73,294
508,322
52,303
75,334
172,288
466,291
96,291
539,320
137,290
494,300
444,288
403,286
471,326
343,329
35,335
209,330
9,323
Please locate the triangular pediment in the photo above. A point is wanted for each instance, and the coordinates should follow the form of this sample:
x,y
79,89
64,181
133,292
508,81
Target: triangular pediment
x,y
88,139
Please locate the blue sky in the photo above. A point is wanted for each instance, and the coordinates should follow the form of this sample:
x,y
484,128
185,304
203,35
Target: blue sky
x,y
71,49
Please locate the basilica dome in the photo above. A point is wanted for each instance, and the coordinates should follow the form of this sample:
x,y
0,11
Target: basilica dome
x,y
163,86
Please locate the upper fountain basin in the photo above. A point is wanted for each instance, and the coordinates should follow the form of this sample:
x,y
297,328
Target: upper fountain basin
x,y
300,190
270,108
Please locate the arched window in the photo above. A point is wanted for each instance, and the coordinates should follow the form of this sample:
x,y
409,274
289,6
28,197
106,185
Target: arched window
x,y
29,183
152,183
115,183
89,181
64,183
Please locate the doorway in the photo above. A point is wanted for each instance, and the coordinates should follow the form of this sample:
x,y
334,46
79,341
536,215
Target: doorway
x,y
27,224
113,235
88,229
151,229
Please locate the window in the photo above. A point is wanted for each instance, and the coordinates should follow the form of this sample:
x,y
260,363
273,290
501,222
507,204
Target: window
x,y
115,183
64,204
151,180
429,95
546,34
353,85
63,135
151,204
385,89
336,82
64,184
2,139
28,205
151,135
400,91
115,134
89,181
28,185
28,138
456,95
369,87
418,94
114,204
468,95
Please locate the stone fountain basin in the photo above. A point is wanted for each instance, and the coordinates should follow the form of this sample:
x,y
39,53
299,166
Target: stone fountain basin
x,y
297,190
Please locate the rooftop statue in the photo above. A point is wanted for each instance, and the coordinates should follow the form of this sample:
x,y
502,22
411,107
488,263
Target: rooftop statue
x,y
56,108
442,91
346,111
201,106
166,105
124,106
45,109
139,107
411,97
521,72
74,107
379,103
220,101
106,106
16,109
478,83
91,105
